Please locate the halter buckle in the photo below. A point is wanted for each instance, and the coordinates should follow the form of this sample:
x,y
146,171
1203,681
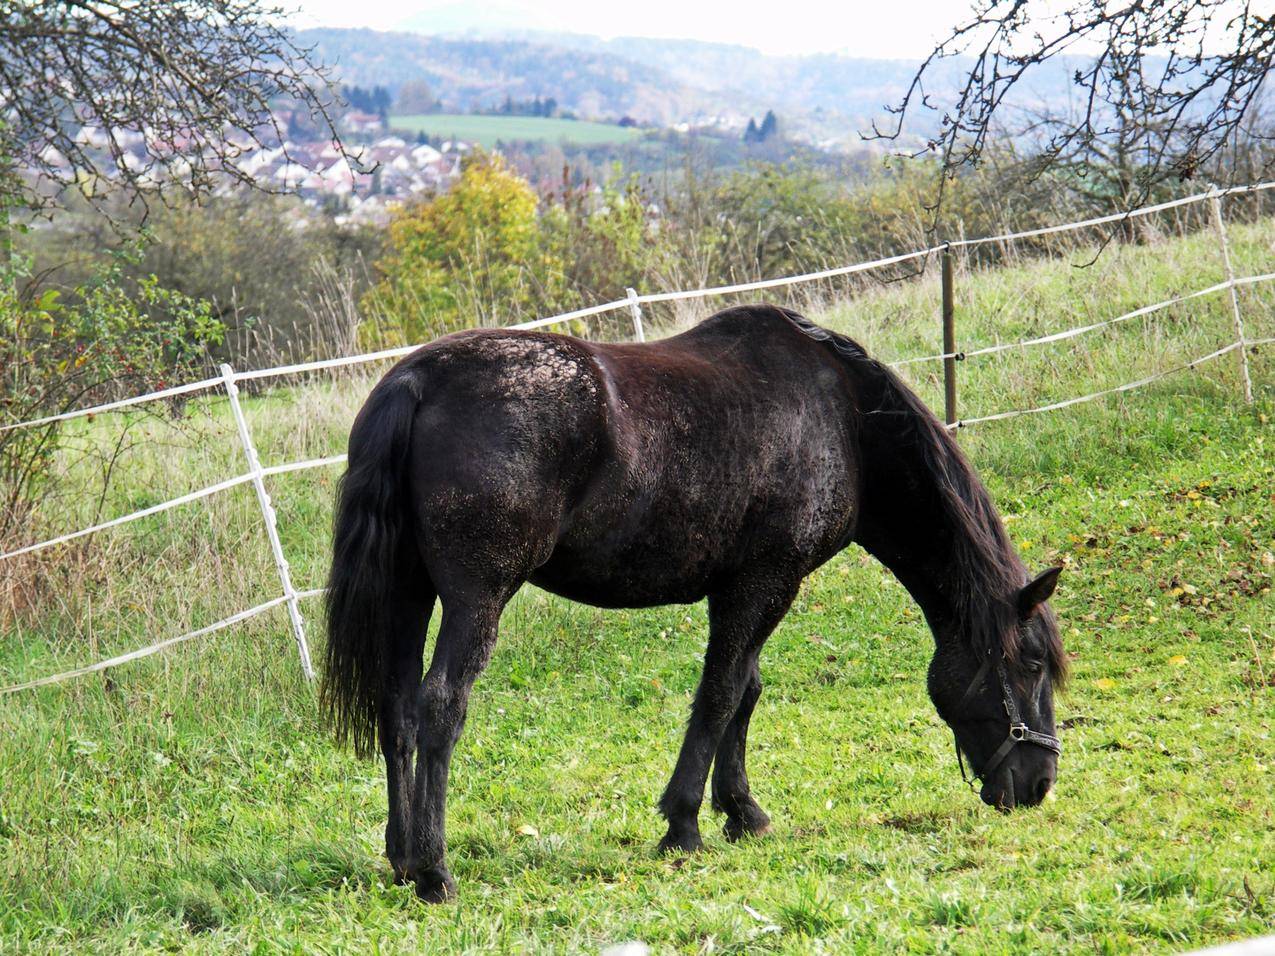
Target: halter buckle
x,y
1018,731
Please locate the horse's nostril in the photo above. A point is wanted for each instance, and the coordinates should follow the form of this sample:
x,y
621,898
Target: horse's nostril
x,y
1042,786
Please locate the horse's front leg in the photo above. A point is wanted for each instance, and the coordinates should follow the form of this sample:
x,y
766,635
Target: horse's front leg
x,y
465,642
731,793
740,618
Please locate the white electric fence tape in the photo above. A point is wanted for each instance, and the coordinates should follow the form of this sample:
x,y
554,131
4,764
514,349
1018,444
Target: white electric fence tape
x,y
633,302
155,648
1128,386
1080,330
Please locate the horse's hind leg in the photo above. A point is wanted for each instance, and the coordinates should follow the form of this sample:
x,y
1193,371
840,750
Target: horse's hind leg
x,y
397,721
731,794
740,618
465,642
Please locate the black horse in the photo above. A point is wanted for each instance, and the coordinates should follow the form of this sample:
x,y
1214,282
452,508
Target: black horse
x,y
729,462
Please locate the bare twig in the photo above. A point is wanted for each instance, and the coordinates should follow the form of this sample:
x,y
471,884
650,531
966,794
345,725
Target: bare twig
x,y
1169,84
156,96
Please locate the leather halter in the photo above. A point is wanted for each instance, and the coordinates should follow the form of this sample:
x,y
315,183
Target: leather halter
x,y
1019,732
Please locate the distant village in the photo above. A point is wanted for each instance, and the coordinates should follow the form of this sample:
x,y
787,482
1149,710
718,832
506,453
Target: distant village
x,y
361,180
386,169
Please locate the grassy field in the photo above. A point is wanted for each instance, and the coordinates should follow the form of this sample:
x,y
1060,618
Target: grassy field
x,y
192,801
489,130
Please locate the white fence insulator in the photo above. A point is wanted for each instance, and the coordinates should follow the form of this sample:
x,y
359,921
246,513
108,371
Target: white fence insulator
x,y
271,522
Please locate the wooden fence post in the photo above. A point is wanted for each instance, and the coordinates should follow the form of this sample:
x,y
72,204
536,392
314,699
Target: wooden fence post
x,y
949,339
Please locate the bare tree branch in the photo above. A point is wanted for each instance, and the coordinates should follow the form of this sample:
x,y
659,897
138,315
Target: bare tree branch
x,y
155,96
1165,85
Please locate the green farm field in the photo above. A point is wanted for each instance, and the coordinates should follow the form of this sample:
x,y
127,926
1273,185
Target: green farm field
x,y
193,802
487,131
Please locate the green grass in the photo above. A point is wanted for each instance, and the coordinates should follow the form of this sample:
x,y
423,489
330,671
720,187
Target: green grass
x,y
192,801
487,131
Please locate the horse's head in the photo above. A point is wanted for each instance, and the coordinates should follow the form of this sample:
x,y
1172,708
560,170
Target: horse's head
x,y
999,699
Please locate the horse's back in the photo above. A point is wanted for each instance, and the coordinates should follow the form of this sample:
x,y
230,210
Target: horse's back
x,y
727,445
632,474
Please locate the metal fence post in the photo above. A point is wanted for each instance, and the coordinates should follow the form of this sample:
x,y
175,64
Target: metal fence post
x,y
271,521
1218,222
949,339
635,310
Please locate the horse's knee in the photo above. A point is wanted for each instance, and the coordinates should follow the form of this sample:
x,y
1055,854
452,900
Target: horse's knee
x,y
441,713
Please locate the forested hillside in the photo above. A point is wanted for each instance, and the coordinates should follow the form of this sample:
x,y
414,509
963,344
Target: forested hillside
x,y
659,82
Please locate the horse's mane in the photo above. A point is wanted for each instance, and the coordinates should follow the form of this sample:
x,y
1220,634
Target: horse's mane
x,y
987,571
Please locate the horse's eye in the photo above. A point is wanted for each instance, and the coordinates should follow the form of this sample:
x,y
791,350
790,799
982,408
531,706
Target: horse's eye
x,y
1033,667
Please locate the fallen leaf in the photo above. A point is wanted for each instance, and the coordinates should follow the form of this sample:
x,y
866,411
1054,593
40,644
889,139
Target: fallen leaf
x,y
527,830
1105,683
1177,660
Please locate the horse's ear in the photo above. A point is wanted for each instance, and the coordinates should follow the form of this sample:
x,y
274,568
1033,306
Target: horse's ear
x,y
1037,591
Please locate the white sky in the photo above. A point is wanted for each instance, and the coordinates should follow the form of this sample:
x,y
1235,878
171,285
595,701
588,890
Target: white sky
x,y
876,28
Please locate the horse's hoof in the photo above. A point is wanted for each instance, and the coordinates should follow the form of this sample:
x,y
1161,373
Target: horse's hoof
x,y
752,823
690,843
435,885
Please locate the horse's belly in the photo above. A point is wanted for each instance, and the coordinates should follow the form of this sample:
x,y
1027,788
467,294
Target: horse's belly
x,y
635,577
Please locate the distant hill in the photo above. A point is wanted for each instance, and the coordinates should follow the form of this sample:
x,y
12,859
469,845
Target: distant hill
x,y
824,83
823,98
468,74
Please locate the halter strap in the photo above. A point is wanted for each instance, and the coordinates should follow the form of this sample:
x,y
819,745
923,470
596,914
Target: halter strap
x,y
1019,732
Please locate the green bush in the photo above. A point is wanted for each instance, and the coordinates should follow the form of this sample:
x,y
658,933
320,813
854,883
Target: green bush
x,y
282,278
108,339
467,257
491,252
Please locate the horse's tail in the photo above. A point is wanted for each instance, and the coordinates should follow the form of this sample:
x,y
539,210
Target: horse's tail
x,y
370,555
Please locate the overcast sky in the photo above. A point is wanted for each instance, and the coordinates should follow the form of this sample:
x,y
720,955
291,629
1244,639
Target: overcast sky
x,y
877,28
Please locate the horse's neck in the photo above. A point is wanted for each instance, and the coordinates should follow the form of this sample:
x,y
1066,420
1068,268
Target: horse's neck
x,y
910,537
908,523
